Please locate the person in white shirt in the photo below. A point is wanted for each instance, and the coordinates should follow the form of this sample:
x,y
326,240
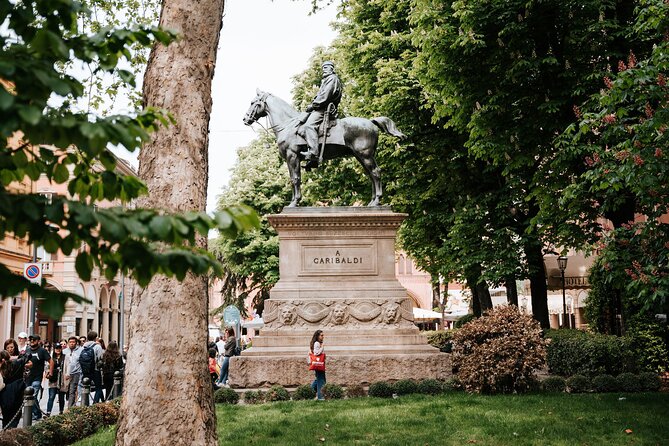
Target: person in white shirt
x,y
23,342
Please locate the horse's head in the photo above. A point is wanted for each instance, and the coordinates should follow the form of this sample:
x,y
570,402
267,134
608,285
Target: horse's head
x,y
258,108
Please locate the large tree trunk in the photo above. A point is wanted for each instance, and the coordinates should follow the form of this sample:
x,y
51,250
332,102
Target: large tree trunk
x,y
511,291
538,287
481,300
168,394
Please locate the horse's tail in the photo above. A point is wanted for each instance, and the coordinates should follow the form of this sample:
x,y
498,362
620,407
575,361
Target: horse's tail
x,y
388,126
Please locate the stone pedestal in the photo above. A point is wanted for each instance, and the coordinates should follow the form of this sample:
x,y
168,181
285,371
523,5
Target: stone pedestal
x,y
337,274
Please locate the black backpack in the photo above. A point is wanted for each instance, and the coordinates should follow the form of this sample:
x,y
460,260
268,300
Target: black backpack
x,y
87,361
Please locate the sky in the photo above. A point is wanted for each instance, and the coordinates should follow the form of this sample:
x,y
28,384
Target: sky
x,y
263,45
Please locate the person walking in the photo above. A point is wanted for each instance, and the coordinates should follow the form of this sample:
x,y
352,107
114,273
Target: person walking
x,y
317,363
229,350
38,356
11,396
57,376
89,360
72,353
112,361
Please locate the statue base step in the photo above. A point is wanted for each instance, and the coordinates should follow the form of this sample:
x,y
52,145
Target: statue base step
x,y
346,370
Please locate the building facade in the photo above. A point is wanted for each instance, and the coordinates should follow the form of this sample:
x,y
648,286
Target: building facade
x,y
104,311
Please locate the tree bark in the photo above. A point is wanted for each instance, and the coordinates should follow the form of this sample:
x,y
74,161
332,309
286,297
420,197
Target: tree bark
x,y
538,287
481,300
168,393
511,291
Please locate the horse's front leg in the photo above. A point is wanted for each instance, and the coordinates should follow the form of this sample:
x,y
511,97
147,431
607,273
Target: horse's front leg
x,y
293,162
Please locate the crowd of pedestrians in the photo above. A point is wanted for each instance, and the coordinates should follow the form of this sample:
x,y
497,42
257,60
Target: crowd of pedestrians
x,y
60,368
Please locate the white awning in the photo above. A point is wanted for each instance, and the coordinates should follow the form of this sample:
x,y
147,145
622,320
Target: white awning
x,y
419,313
453,316
255,324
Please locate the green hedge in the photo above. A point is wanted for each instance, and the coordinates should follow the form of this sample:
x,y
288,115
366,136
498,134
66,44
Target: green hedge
x,y
574,352
333,392
277,393
226,396
304,392
381,389
67,428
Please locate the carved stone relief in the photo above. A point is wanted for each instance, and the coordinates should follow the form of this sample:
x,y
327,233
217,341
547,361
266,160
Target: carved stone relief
x,y
299,314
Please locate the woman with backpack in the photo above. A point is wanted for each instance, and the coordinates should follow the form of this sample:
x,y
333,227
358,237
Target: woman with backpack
x,y
58,379
112,361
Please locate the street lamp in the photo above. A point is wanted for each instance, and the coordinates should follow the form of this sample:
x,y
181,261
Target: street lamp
x,y
562,264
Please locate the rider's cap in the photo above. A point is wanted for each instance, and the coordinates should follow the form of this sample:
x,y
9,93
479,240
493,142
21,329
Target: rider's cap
x,y
328,62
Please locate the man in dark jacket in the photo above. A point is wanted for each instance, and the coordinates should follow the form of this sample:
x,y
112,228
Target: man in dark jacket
x,y
329,93
37,356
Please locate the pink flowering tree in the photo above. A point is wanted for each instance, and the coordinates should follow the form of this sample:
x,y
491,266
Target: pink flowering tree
x,y
622,139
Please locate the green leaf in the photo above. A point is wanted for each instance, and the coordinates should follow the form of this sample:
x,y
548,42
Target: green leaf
x,y
31,114
53,306
161,226
84,265
61,173
6,99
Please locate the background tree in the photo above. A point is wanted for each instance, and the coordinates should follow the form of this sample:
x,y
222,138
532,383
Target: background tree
x,y
251,261
433,172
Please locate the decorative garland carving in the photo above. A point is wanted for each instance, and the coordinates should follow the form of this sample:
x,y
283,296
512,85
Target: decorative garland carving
x,y
300,314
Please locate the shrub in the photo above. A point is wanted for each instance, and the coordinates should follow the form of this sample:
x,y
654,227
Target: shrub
x,y
430,387
604,383
498,352
405,387
226,396
554,384
629,382
381,389
441,339
254,397
451,385
13,437
647,345
578,384
304,392
574,352
355,391
649,382
464,320
70,427
333,392
277,393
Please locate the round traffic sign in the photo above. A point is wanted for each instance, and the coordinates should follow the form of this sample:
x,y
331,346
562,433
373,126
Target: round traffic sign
x,y
32,272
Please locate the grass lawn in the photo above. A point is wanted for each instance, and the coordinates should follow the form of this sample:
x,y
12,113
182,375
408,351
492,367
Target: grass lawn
x,y
452,419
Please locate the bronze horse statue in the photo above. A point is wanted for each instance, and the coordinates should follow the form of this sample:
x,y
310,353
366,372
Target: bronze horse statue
x,y
350,136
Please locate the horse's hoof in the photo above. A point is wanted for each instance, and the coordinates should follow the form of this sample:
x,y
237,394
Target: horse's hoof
x,y
373,203
293,204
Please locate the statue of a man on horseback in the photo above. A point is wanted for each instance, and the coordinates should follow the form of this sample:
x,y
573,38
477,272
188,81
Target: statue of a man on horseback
x,y
320,110
350,136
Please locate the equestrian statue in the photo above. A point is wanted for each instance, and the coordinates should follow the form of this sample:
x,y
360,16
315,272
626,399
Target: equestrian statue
x,y
318,134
